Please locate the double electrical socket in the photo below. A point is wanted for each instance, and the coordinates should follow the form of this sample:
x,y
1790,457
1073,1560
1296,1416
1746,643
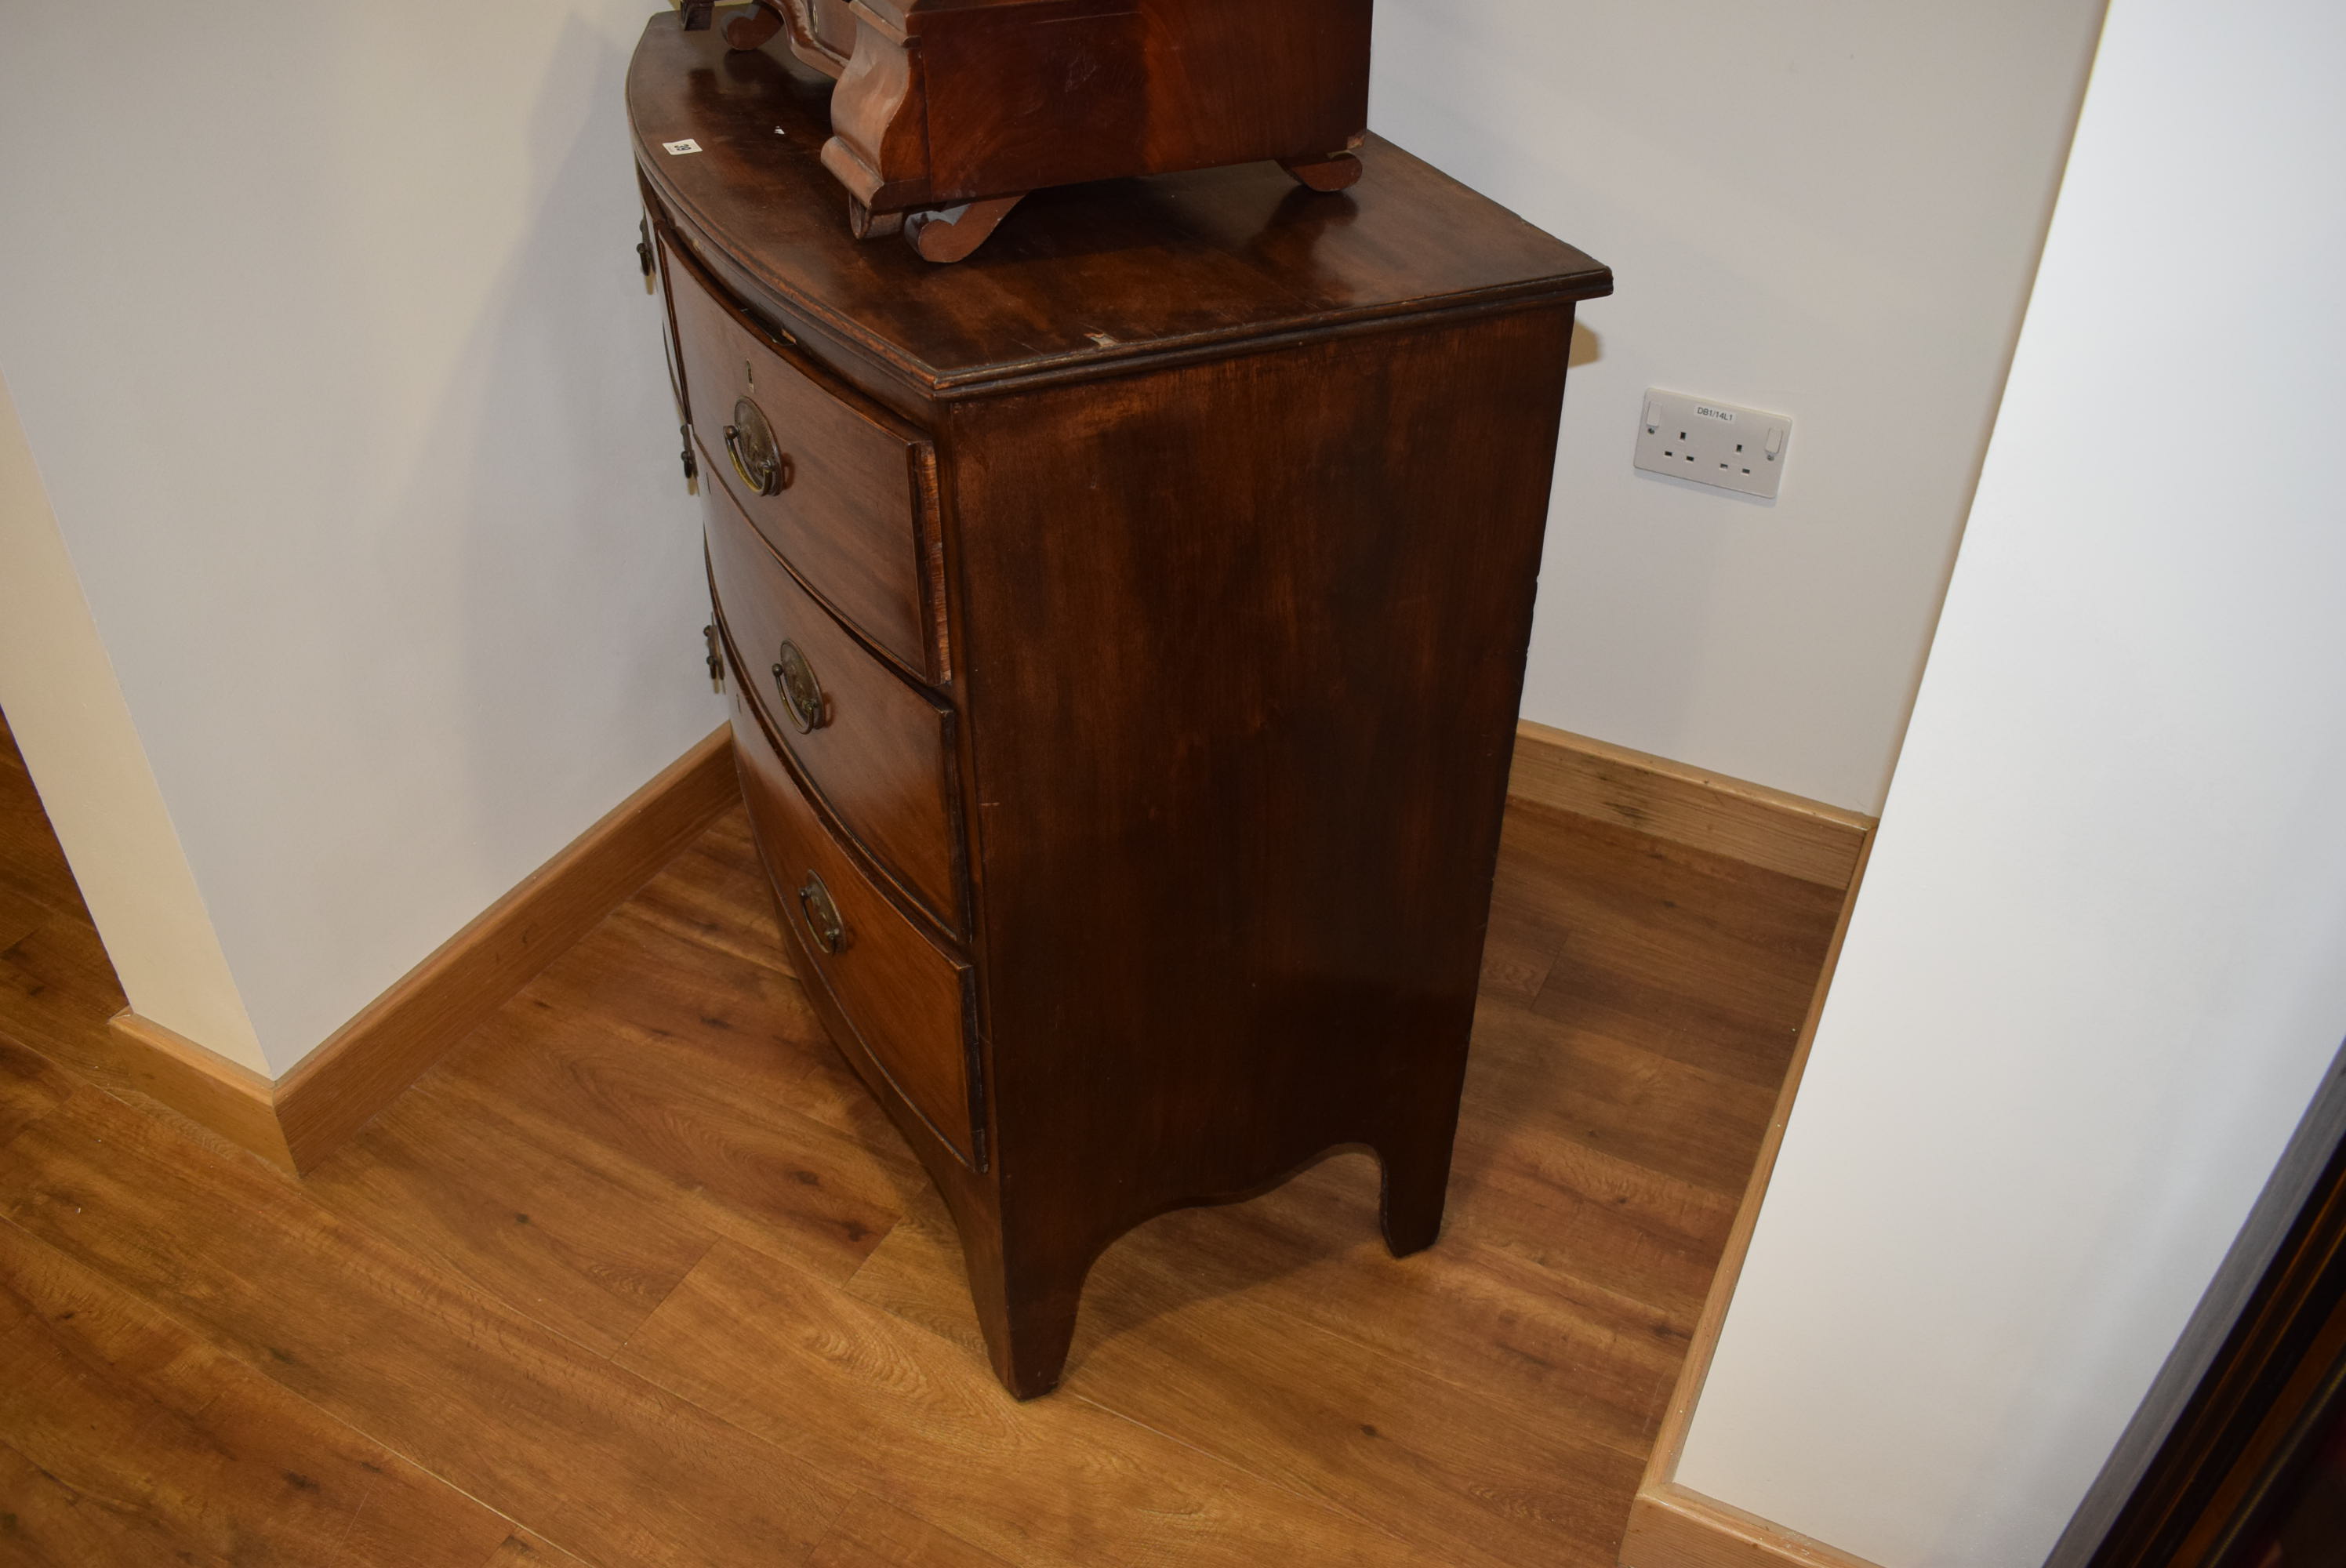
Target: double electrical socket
x,y
1708,443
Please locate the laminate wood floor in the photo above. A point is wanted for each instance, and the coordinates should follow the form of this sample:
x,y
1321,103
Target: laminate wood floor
x,y
637,1277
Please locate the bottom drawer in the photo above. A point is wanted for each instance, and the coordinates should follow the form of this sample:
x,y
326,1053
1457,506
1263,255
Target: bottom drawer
x,y
907,999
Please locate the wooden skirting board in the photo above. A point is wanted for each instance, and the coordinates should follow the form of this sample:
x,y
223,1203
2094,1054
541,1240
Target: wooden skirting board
x,y
1747,822
201,1085
338,1088
1672,1526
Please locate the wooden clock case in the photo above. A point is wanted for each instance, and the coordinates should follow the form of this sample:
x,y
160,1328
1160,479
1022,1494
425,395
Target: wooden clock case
x,y
949,111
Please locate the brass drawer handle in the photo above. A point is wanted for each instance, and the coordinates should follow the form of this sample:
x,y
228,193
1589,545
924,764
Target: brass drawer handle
x,y
760,461
821,914
803,699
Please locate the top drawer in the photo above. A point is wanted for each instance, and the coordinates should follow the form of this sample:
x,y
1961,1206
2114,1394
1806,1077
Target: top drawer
x,y
839,486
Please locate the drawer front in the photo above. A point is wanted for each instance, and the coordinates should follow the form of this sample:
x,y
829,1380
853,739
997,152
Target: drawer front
x,y
877,750
840,486
908,1002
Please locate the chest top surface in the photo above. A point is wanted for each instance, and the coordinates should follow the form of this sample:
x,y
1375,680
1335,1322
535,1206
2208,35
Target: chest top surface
x,y
1079,275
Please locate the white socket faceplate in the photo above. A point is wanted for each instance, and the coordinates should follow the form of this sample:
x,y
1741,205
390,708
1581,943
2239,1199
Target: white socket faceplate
x,y
1712,443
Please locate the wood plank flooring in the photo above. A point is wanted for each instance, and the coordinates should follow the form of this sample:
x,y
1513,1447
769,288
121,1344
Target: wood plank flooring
x,y
638,1277
57,988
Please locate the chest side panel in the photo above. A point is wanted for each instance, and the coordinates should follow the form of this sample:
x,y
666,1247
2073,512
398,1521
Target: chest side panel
x,y
1247,644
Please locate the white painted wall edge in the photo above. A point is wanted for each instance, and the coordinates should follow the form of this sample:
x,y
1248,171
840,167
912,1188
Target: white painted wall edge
x,y
66,708
2094,978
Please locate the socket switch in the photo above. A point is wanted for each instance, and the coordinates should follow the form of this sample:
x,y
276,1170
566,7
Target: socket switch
x,y
1709,443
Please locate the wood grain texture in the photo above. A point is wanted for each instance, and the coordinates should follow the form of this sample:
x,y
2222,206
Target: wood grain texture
x,y
362,1066
732,1328
31,1086
1378,1423
1688,805
526,1421
1240,813
58,993
203,1085
1154,267
1672,1526
149,1441
855,1391
874,1534
712,896
34,876
452,1167
522,1550
20,917
579,1179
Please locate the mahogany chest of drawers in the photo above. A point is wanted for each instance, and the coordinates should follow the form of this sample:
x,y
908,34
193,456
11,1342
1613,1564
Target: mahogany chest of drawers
x,y
1125,629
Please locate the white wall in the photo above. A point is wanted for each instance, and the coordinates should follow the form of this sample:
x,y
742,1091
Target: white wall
x,y
66,712
2100,963
322,324
324,327
1824,207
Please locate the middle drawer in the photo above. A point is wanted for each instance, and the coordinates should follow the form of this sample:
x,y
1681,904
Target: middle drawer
x,y
878,750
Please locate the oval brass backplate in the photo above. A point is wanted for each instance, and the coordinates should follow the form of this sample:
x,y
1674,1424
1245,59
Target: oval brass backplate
x,y
757,457
802,698
821,914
